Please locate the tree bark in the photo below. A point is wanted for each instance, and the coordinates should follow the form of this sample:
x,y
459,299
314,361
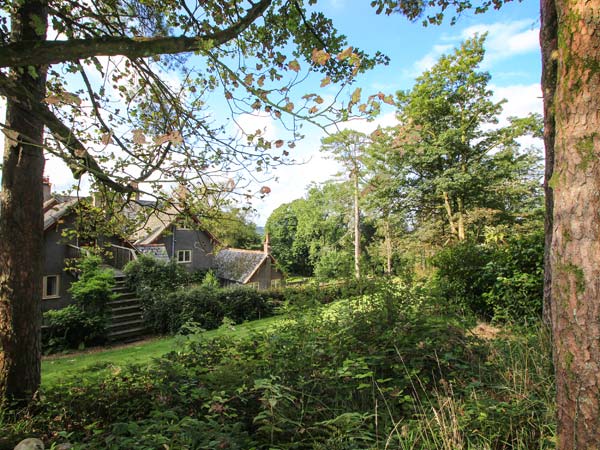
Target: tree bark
x,y
388,247
21,253
356,226
548,41
461,219
575,261
449,213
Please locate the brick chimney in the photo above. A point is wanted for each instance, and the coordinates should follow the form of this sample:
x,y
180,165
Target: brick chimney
x,y
47,188
267,244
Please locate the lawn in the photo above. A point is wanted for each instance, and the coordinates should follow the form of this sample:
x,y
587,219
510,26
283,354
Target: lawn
x,y
96,362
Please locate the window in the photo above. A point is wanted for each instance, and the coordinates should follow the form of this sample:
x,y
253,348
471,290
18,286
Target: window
x,y
184,256
51,287
254,285
276,283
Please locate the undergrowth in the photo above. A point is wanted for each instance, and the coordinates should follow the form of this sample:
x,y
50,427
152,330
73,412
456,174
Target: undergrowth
x,y
389,370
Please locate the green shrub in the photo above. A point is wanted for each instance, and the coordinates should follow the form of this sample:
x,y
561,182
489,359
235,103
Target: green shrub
x,y
93,289
151,275
206,306
83,323
333,265
500,281
71,328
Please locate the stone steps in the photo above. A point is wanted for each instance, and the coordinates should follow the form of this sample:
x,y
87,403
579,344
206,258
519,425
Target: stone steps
x,y
126,322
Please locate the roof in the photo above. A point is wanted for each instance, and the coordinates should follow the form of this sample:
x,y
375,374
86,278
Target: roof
x,y
56,208
157,223
238,265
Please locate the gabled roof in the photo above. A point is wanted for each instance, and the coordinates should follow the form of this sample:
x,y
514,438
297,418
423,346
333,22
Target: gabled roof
x,y
239,265
158,222
56,208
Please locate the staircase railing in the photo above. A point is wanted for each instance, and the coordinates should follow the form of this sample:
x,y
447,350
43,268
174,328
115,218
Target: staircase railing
x,y
115,256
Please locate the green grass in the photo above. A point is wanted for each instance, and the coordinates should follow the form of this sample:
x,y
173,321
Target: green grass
x,y
57,370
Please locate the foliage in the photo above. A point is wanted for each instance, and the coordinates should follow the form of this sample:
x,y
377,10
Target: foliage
x,y
210,280
391,367
84,322
233,228
334,264
206,306
500,280
448,160
149,275
71,328
93,288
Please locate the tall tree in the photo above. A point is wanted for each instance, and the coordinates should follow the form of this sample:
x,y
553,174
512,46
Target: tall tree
x,y
453,155
121,121
348,148
571,90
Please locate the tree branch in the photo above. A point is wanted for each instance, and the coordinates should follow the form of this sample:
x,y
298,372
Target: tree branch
x,y
51,52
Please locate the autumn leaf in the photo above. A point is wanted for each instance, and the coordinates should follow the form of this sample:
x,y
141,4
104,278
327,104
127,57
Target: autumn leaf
x,y
279,143
294,65
249,79
71,99
344,54
52,100
356,95
320,56
313,110
325,81
106,138
319,100
139,137
228,95
289,107
261,81
362,107
265,190
389,100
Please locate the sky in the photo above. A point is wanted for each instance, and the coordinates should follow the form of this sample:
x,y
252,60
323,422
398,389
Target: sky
x,y
512,58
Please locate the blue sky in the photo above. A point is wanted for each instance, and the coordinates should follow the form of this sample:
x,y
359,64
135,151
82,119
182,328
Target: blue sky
x,y
512,58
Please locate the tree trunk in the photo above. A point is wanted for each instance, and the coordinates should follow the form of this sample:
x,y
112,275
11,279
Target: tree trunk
x,y
575,261
356,227
461,219
388,247
21,221
449,213
548,40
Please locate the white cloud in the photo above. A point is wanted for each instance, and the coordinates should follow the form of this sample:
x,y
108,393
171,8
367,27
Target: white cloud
x,y
427,62
521,99
506,39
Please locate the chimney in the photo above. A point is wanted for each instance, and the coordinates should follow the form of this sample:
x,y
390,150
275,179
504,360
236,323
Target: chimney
x,y
267,245
47,188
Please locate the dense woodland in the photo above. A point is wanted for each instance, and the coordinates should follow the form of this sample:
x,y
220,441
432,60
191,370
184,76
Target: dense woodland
x,y
435,226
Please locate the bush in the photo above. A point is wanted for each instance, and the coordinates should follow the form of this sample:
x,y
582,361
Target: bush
x,y
334,264
71,328
501,281
84,322
93,290
206,306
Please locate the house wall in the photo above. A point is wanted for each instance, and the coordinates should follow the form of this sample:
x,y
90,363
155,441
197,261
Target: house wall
x,y
198,242
266,274
55,250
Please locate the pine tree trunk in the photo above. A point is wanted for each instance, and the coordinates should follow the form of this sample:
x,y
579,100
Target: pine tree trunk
x,y
548,40
21,222
388,247
356,227
575,257
461,219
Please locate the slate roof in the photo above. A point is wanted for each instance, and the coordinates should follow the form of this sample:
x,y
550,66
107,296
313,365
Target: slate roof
x,y
238,265
57,208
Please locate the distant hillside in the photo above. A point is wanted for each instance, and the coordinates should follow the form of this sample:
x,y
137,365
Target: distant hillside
x,y
260,230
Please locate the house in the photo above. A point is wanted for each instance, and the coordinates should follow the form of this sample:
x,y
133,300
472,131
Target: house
x,y
255,268
167,235
61,247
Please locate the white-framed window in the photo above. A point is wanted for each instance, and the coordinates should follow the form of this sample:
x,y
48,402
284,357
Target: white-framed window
x,y
51,288
254,285
184,256
275,283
